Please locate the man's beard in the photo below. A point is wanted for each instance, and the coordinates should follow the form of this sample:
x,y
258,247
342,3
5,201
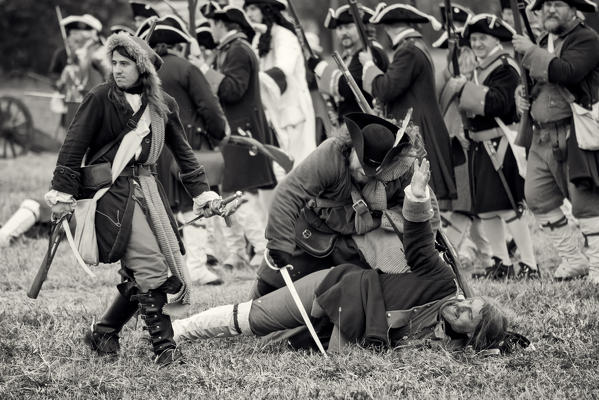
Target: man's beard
x,y
347,42
554,25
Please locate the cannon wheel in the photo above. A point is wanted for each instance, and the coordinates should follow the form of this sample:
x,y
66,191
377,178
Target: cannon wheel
x,y
16,127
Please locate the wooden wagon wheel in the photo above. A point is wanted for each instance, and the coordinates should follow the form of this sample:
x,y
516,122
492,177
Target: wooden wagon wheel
x,y
16,127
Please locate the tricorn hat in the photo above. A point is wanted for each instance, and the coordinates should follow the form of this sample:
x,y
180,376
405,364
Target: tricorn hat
x,y
169,30
459,13
207,9
144,10
374,140
442,41
235,15
343,15
489,24
278,4
394,13
581,5
84,22
204,36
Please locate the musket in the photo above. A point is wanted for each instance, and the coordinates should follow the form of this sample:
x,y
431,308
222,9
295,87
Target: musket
x,y
63,34
362,102
271,152
56,235
296,299
524,137
151,29
377,56
454,262
301,35
220,210
452,40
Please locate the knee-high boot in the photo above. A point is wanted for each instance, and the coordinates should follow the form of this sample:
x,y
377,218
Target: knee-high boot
x,y
104,334
159,326
223,321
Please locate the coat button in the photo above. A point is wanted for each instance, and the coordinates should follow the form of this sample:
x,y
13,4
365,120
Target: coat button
x,y
73,176
147,140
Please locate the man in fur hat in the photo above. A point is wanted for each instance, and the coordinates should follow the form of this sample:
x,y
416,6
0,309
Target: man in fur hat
x,y
564,67
122,125
409,82
342,203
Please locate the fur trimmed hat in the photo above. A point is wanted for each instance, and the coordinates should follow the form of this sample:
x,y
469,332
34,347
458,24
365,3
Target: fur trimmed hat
x,y
145,58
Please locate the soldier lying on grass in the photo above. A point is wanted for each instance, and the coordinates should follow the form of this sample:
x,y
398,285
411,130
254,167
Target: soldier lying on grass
x,y
351,305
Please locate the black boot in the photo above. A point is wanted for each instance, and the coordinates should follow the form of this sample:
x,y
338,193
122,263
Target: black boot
x,y
159,326
103,337
500,271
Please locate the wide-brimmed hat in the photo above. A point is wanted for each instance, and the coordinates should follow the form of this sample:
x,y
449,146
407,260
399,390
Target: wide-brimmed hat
x,y
237,16
395,13
278,4
146,59
489,24
343,15
85,22
204,36
169,30
144,10
581,5
373,138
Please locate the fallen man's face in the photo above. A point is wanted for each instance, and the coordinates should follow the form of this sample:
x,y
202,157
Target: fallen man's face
x,y
463,315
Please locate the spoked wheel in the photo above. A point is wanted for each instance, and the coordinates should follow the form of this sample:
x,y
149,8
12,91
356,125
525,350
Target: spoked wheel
x,y
16,127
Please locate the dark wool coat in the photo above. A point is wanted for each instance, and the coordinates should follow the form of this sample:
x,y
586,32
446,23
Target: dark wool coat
x,y
239,94
97,122
201,116
577,69
410,82
366,295
488,192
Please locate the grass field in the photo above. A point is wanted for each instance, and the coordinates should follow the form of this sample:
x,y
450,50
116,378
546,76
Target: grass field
x,y
42,354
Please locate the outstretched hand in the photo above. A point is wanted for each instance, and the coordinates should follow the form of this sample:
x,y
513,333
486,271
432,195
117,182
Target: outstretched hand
x,y
420,178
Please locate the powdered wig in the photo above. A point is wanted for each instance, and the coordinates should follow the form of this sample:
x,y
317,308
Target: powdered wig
x,y
492,328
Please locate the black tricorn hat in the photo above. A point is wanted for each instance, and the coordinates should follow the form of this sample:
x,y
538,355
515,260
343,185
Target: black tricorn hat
x,y
204,36
278,4
460,14
389,14
169,30
207,9
235,15
489,24
342,16
373,138
140,9
581,5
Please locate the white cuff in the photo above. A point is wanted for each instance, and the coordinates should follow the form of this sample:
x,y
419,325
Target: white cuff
x,y
411,197
320,67
54,196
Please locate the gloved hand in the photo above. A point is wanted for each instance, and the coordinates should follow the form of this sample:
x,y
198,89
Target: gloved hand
x,y
61,209
313,62
280,258
208,204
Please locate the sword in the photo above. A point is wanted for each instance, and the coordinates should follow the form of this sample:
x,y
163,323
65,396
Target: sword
x,y
296,299
498,165
221,209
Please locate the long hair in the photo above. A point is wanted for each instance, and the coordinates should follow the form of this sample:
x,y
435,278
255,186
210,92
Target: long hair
x,y
152,89
271,16
491,329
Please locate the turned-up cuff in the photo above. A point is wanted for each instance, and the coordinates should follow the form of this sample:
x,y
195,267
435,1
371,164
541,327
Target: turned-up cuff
x,y
214,79
369,73
278,76
473,97
328,80
66,180
537,61
195,181
417,209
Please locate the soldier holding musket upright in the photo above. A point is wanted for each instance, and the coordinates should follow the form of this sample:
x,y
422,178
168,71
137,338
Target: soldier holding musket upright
x,y
329,76
564,68
409,82
487,100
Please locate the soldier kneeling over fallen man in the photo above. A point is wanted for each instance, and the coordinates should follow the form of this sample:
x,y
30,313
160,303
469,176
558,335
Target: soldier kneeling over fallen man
x,y
349,304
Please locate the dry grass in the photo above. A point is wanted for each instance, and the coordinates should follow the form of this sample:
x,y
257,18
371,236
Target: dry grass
x,y
42,354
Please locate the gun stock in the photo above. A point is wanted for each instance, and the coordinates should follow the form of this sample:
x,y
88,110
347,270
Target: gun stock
x,y
56,235
362,102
